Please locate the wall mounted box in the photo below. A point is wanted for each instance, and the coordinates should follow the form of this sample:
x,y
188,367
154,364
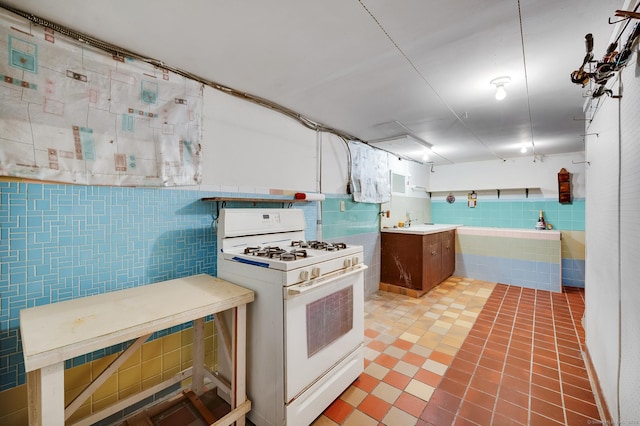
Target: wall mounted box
x,y
564,186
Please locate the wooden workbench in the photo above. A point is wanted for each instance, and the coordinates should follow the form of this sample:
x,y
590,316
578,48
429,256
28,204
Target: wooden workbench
x,y
54,333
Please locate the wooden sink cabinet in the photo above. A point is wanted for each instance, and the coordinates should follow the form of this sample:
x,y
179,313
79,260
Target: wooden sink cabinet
x,y
414,263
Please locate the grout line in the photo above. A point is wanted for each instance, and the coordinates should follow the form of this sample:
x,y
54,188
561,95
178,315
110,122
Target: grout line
x,y
573,320
555,339
495,319
533,332
495,403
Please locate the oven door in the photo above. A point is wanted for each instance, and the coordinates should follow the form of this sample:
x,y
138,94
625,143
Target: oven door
x,y
324,323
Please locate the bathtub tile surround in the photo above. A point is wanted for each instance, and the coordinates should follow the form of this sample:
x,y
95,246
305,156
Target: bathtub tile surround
x,y
573,258
519,257
523,214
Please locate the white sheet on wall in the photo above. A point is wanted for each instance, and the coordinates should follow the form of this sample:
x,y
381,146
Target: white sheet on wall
x,y
72,113
369,174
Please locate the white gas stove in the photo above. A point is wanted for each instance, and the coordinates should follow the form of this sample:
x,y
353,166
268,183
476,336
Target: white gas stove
x,y
306,325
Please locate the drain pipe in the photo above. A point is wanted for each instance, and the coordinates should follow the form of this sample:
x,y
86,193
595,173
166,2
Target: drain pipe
x,y
319,183
619,266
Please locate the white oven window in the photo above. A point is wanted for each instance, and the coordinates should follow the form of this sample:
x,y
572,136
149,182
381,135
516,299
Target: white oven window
x,y
328,319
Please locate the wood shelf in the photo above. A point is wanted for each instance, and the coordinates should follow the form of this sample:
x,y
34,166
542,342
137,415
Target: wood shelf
x,y
254,200
498,190
221,202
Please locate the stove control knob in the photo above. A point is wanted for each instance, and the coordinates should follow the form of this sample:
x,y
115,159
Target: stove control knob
x,y
347,263
355,261
315,272
304,275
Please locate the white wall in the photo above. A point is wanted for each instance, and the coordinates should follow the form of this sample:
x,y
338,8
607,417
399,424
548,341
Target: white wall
x,y
512,173
335,164
612,318
601,271
252,149
249,148
629,247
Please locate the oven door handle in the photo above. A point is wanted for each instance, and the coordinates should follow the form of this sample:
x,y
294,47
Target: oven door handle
x,y
310,285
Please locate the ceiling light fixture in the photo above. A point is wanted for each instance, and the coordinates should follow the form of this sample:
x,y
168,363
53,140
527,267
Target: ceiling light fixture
x,y
499,82
407,146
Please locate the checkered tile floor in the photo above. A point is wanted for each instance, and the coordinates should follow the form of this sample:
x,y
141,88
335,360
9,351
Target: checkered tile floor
x,y
470,352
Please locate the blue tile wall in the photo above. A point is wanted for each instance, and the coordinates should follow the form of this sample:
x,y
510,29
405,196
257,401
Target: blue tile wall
x,y
61,242
523,273
511,213
355,219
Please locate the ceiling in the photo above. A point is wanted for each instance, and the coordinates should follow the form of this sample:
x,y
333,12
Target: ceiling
x,y
373,69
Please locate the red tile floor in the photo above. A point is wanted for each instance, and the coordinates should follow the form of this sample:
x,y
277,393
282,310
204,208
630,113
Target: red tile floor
x,y
471,353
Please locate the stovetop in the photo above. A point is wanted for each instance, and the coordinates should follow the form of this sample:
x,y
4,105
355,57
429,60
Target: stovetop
x,y
290,255
296,250
275,239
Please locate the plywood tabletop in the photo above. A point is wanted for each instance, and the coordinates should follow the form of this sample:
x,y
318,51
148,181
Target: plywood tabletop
x,y
59,331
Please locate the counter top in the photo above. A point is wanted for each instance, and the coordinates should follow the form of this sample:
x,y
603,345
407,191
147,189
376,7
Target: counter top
x,y
532,234
58,331
421,229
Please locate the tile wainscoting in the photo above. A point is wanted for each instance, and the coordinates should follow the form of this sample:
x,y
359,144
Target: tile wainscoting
x,y
519,257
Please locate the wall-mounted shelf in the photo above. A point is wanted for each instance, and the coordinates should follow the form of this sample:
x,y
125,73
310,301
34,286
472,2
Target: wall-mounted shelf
x,y
498,190
255,200
286,202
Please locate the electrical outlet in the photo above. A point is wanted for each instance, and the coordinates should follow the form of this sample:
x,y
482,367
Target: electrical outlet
x,y
341,206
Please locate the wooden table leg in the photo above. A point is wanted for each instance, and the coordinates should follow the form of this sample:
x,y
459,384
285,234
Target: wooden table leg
x,y
238,387
45,394
197,379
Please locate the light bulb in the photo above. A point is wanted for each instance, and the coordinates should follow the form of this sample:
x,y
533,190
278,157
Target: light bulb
x,y
500,82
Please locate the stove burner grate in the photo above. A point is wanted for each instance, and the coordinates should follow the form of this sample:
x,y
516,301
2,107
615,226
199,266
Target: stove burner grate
x,y
321,245
297,251
276,253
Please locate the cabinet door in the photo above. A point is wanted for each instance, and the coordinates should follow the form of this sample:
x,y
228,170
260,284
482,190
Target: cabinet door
x,y
448,254
432,266
401,260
